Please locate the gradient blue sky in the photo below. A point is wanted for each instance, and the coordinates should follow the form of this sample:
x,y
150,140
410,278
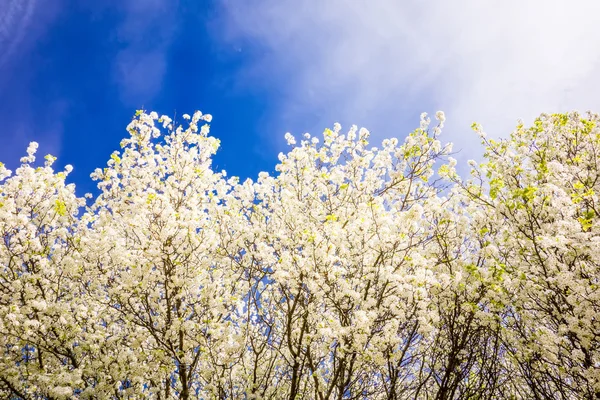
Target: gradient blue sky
x,y
73,72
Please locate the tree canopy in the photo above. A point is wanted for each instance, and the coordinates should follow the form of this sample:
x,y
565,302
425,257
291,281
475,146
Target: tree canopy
x,y
355,272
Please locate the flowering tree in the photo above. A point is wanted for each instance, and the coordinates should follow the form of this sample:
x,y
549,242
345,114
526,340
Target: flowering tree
x,y
46,334
354,273
153,252
341,289
541,209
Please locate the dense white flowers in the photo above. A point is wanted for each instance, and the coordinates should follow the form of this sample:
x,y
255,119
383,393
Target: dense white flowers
x,y
353,272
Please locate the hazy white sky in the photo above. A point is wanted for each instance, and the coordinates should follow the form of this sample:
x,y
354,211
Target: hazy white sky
x,y
380,63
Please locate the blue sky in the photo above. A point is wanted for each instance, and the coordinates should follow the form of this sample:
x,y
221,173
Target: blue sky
x,y
72,73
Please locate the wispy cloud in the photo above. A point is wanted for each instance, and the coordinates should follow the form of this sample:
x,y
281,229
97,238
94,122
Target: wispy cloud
x,y
15,19
146,32
22,23
381,62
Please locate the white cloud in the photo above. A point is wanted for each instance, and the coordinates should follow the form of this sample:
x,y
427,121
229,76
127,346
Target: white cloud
x,y
140,74
146,33
382,62
15,18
